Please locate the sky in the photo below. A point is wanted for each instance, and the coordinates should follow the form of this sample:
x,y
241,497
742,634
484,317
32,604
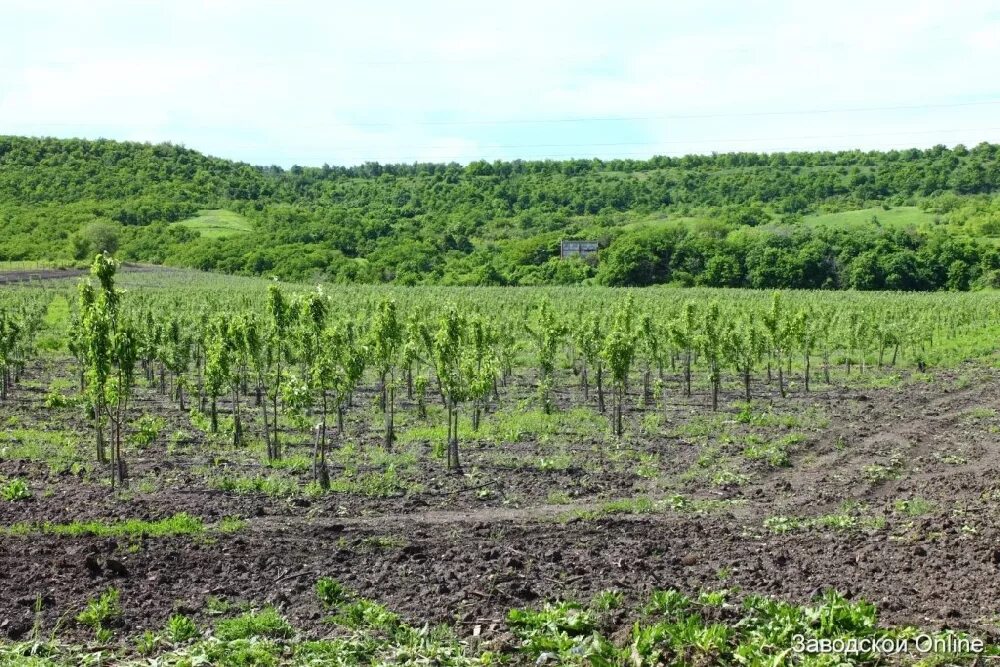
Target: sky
x,y
343,82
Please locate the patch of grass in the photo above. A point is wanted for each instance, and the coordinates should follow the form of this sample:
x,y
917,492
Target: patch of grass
x,y
729,478
775,452
558,498
514,425
178,524
217,224
877,473
951,459
231,524
898,217
980,413
553,463
645,505
628,506
913,506
297,463
266,623
216,606
54,447
649,465
148,643
702,426
372,484
850,518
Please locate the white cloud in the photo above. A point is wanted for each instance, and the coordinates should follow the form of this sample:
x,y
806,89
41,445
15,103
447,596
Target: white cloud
x,y
309,82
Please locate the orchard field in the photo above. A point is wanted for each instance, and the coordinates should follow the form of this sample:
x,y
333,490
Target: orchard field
x,y
197,469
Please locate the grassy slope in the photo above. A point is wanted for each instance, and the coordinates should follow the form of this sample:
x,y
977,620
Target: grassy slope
x,y
217,223
899,217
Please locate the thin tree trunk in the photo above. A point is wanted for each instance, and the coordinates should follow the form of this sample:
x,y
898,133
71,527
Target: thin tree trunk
x,y
320,472
687,373
390,432
600,387
237,418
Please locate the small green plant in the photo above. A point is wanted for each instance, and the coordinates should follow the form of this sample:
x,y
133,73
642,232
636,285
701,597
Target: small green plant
x,y
553,463
147,429
102,612
649,466
14,490
177,440
558,498
331,593
713,598
267,623
729,478
180,629
780,524
877,473
56,399
216,606
608,600
365,614
147,643
231,524
200,421
980,413
913,506
669,603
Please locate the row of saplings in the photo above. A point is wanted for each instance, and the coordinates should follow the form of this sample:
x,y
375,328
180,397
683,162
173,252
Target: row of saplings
x,y
296,360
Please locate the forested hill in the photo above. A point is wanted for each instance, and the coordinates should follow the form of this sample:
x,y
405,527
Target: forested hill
x,y
913,219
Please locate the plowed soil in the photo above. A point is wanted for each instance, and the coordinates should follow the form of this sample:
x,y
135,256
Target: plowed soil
x,y
451,553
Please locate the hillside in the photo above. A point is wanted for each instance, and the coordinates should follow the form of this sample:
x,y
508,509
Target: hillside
x,y
916,219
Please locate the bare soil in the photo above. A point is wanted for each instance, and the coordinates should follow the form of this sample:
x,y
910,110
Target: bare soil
x,y
448,552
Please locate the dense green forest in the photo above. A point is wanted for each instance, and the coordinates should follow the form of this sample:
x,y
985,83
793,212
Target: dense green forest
x,y
738,219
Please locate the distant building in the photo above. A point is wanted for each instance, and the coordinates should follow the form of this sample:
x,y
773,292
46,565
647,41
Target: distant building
x,y
585,250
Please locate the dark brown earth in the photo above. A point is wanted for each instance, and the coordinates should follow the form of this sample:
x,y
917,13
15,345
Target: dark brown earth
x,y
448,553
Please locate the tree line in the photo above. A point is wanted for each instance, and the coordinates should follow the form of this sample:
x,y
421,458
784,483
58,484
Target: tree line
x,y
500,222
